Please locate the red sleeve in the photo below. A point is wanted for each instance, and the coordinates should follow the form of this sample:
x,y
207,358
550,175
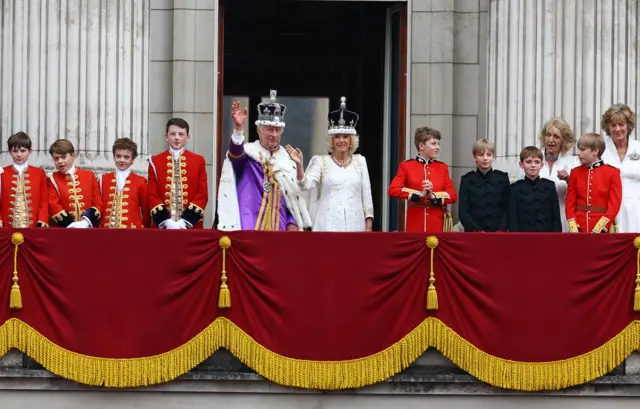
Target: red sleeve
x,y
153,200
570,204
615,195
144,203
202,195
54,199
96,198
397,184
43,206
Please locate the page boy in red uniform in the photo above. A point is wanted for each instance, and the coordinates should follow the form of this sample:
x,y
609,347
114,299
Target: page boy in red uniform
x,y
178,192
124,193
595,190
425,183
74,195
23,191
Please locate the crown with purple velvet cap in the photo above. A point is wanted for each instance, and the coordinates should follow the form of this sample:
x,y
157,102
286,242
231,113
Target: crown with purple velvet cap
x,y
271,113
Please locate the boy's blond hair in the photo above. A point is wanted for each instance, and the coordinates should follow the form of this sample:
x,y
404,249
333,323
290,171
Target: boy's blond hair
x,y
531,152
483,145
592,141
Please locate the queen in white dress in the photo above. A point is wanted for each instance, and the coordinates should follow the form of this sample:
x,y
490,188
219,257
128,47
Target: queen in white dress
x,y
338,183
623,152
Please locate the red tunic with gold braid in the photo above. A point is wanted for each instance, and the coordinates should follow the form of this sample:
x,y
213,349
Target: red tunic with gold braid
x,y
178,193
128,208
594,196
424,215
24,201
73,196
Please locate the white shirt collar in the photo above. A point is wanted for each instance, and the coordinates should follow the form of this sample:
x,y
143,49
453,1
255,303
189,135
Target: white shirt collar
x,y
176,154
20,168
71,171
121,178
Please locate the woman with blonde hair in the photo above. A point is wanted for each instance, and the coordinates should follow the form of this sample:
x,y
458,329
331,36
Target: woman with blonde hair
x,y
618,122
338,183
556,142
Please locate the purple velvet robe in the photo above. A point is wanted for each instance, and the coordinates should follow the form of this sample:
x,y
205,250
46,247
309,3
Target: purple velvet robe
x,y
250,179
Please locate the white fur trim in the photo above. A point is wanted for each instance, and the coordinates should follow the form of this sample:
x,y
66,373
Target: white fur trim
x,y
228,209
285,175
270,123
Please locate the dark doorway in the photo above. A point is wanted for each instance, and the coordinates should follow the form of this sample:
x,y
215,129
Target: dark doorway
x,y
311,49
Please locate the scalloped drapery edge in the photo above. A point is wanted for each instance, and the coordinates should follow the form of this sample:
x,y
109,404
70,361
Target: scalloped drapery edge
x,y
325,375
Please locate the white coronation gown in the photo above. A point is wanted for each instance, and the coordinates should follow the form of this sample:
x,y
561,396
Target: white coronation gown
x,y
339,198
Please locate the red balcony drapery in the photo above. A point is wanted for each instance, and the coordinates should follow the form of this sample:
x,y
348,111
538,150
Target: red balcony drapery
x,y
320,310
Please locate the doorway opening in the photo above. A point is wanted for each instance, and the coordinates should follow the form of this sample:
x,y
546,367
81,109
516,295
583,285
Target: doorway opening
x,y
313,53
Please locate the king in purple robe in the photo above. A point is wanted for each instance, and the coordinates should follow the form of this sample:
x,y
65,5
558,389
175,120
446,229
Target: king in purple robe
x,y
258,187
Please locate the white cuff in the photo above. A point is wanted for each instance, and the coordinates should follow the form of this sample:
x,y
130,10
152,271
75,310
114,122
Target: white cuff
x,y
237,137
85,218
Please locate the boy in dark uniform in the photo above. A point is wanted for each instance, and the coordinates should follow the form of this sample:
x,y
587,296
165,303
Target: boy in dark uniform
x,y
484,193
533,203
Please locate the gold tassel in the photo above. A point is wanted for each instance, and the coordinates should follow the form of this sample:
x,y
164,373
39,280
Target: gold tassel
x,y
636,296
15,300
448,222
432,295
224,298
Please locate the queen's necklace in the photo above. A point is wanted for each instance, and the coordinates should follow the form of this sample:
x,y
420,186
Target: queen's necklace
x,y
342,164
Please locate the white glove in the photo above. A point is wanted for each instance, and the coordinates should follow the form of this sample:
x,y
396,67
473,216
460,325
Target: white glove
x,y
72,225
171,225
182,224
83,224
167,224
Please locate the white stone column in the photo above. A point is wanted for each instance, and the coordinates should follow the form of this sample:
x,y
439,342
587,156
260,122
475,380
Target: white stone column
x,y
569,58
448,68
75,69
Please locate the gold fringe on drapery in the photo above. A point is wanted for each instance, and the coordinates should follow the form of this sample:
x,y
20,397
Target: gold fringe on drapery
x,y
15,298
224,297
636,296
432,295
325,375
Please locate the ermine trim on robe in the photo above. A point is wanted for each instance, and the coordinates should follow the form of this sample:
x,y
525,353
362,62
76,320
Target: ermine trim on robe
x,y
284,173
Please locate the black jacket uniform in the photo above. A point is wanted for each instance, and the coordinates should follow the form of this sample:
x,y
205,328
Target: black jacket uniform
x,y
484,200
534,207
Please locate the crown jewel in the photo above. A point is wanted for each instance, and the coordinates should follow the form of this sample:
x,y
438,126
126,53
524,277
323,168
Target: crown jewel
x,y
271,113
343,121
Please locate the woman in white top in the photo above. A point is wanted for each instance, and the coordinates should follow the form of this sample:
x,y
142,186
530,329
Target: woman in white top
x,y
338,183
624,153
556,141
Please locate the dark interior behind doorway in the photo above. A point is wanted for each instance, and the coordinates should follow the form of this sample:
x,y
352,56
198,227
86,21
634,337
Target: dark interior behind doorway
x,y
312,49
